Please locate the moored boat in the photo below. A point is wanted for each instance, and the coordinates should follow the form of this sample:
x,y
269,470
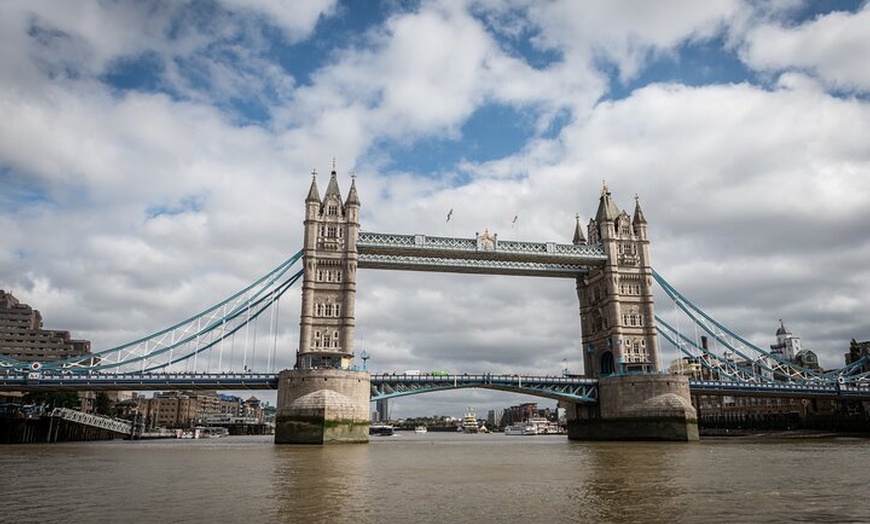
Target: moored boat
x,y
421,429
469,422
381,430
520,429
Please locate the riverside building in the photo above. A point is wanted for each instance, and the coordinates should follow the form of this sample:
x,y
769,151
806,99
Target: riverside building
x,y
23,338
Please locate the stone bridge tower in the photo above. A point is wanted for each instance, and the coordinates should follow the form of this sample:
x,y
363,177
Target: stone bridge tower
x,y
635,401
324,399
329,282
616,299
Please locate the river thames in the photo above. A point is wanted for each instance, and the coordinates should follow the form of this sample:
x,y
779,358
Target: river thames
x,y
437,477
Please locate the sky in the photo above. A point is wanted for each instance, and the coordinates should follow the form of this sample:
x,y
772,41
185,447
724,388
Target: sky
x,y
155,157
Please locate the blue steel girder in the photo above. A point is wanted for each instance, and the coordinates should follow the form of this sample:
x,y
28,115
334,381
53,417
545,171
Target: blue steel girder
x,y
468,255
780,389
572,389
137,381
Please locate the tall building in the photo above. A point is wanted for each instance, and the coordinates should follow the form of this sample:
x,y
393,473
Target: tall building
x,y
22,336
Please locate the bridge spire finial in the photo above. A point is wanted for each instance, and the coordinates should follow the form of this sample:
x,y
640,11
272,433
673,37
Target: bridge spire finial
x,y
579,239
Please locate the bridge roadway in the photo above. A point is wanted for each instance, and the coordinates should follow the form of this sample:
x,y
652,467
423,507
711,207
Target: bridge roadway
x,y
387,385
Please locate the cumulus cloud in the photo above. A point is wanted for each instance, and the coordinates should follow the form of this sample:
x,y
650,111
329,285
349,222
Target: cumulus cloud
x,y
824,47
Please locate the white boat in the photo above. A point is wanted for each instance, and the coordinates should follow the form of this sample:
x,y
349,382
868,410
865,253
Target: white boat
x,y
520,429
421,429
534,426
469,422
381,430
212,432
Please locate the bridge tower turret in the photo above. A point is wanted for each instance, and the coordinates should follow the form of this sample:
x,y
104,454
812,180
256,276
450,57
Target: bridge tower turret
x,y
616,301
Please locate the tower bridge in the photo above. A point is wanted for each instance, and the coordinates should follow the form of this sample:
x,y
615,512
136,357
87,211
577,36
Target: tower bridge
x,y
323,399
326,396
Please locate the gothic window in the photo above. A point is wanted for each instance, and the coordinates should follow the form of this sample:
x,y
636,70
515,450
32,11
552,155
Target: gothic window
x,y
320,275
332,210
338,310
338,276
331,231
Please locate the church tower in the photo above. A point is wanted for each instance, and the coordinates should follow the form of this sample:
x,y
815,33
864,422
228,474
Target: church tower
x,y
616,300
329,282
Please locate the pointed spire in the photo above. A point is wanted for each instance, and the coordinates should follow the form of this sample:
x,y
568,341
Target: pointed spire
x,y
352,197
638,212
313,194
607,210
579,239
332,187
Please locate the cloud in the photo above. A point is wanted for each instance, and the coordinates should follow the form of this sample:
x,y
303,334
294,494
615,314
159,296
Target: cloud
x,y
825,47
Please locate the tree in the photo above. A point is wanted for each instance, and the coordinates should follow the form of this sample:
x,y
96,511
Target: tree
x,y
103,404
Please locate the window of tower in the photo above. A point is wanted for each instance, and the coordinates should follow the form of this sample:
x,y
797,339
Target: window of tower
x,y
332,210
331,232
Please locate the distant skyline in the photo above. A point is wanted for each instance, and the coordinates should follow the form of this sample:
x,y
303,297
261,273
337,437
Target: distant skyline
x,y
155,158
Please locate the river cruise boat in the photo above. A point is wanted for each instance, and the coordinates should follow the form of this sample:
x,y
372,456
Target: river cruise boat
x,y
381,430
520,429
421,429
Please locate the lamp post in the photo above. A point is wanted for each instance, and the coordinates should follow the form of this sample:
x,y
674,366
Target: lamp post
x,y
364,356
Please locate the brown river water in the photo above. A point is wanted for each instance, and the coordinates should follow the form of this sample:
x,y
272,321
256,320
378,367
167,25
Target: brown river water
x,y
438,478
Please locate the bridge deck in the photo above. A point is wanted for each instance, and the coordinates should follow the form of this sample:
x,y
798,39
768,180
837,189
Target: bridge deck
x,y
389,386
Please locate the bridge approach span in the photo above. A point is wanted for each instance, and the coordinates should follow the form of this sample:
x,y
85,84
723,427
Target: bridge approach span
x,y
138,381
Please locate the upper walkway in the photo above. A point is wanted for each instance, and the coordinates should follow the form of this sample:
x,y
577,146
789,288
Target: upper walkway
x,y
485,254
